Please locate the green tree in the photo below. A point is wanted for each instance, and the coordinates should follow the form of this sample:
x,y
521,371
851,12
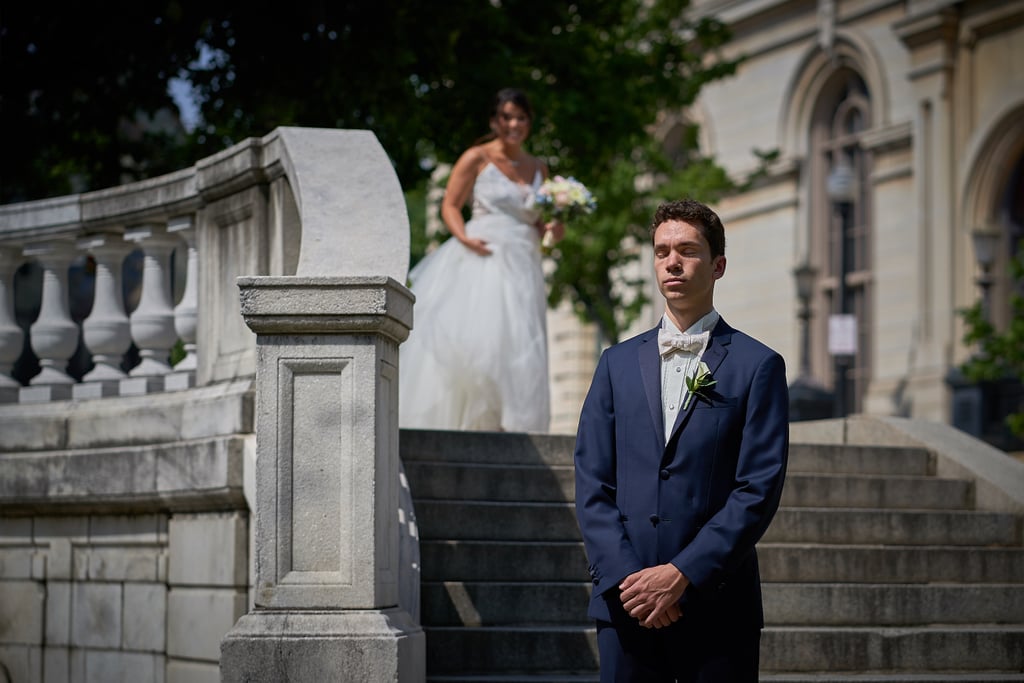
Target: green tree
x,y
420,75
1000,354
83,95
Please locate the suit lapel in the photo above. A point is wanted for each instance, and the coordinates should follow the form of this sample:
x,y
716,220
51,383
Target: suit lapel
x,y
713,356
650,373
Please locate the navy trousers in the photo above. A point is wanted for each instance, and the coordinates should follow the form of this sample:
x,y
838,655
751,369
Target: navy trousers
x,y
700,649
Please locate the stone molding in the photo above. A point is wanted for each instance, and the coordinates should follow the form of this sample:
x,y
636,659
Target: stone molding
x,y
176,477
324,305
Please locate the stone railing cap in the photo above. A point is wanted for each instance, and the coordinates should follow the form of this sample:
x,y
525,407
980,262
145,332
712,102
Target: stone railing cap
x,y
351,207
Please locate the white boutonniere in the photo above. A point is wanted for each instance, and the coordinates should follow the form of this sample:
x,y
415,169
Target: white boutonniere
x,y
698,383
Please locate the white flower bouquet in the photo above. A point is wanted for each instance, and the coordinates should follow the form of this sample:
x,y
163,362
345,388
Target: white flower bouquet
x,y
562,199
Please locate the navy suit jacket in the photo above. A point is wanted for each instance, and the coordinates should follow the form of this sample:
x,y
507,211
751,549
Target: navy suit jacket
x,y
700,501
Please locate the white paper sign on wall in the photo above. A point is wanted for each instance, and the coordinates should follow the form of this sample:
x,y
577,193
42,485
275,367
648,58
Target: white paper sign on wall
x,y
842,334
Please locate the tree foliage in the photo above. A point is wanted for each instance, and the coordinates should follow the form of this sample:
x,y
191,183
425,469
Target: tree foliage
x,y
83,95
78,82
1000,354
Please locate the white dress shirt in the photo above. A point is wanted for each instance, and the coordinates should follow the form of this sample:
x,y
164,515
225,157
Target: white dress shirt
x,y
678,365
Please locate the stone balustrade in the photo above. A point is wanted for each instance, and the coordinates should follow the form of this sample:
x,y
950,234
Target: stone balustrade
x,y
141,252
235,213
117,510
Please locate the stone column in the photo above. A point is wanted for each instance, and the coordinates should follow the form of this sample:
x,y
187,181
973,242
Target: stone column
x,y
106,331
931,38
186,313
152,322
11,336
327,567
54,335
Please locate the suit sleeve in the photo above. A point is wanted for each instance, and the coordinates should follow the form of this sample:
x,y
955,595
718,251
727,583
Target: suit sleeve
x,y
728,538
609,551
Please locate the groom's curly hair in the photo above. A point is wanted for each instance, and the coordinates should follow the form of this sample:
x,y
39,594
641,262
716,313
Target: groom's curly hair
x,y
696,214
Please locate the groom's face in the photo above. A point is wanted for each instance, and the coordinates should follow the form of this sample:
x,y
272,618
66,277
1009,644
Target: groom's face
x,y
684,267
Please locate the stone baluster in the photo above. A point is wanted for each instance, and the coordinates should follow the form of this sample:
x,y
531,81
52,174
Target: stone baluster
x,y
54,335
186,313
11,336
152,322
106,332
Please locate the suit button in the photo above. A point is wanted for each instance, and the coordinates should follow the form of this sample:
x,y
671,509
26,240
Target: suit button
x,y
664,474
597,581
654,520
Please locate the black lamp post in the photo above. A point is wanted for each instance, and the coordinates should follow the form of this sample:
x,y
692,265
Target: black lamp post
x,y
808,399
986,241
805,275
841,186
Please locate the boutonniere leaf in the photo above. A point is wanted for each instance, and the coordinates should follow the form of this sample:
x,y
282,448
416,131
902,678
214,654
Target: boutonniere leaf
x,y
698,383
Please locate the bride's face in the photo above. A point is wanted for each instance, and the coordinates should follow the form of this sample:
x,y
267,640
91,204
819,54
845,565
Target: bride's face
x,y
511,124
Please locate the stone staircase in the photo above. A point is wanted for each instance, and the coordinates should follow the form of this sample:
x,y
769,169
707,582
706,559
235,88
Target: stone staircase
x,y
875,569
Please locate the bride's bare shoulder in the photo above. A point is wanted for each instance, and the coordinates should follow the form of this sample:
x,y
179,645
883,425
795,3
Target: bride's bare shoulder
x,y
473,160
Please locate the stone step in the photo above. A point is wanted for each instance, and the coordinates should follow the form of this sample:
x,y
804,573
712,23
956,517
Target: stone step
x,y
462,603
494,448
511,650
501,448
888,564
487,481
550,649
454,603
555,483
877,491
843,604
891,677
455,560
843,459
820,677
517,678
485,520
898,527
941,648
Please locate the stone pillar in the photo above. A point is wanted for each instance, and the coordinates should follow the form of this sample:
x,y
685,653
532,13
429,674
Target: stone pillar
x,y
186,313
11,336
152,322
54,335
106,331
930,36
327,499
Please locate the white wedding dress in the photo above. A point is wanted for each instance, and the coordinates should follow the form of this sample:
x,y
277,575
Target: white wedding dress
x,y
477,356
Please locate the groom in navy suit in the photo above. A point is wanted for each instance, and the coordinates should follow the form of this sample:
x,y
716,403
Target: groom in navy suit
x,y
680,460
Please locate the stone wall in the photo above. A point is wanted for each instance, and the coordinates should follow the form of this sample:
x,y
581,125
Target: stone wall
x,y
120,597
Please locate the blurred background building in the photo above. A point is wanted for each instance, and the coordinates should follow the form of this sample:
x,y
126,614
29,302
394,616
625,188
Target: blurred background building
x,y
896,198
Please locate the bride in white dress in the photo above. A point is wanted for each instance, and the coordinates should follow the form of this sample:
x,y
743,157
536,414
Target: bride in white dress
x,y
477,355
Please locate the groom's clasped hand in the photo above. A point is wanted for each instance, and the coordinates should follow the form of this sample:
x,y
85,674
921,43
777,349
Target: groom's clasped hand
x,y
652,595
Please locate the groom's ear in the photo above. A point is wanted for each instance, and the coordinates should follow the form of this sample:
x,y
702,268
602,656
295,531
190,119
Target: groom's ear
x,y
718,267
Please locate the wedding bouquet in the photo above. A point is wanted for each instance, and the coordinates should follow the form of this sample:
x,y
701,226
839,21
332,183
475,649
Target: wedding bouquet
x,y
562,199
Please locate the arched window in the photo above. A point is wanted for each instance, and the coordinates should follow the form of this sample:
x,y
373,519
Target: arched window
x,y
841,236
1012,217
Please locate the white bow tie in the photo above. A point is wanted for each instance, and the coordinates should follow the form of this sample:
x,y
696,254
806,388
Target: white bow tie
x,y
669,341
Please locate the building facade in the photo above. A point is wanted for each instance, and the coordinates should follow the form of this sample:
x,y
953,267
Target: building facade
x,y
899,127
